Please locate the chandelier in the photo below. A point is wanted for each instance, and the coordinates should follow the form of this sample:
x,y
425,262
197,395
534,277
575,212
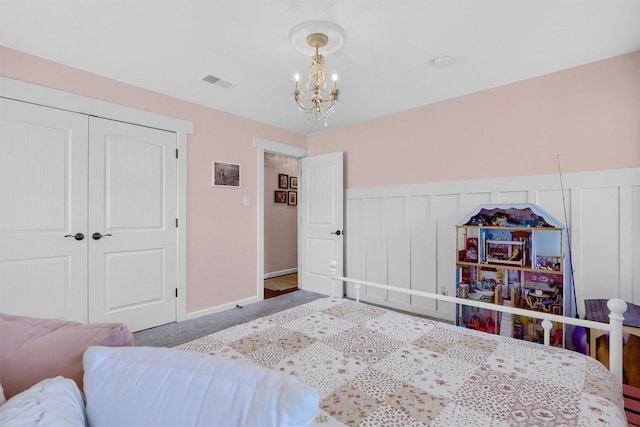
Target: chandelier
x,y
315,97
318,106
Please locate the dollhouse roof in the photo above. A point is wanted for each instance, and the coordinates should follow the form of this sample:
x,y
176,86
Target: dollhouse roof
x,y
517,215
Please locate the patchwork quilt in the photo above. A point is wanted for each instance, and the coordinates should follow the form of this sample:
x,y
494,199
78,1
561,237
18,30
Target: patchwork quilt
x,y
377,367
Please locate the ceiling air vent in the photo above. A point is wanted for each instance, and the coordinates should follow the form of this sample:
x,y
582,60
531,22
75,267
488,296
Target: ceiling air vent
x,y
217,81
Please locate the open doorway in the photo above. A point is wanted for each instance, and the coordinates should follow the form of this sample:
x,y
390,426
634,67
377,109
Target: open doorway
x,y
266,146
280,224
326,172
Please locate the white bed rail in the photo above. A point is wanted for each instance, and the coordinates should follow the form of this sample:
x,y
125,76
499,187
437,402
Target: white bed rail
x,y
616,306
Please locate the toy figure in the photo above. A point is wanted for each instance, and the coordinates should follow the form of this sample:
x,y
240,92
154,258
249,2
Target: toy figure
x,y
479,220
491,326
472,252
542,222
516,255
554,303
499,219
477,323
554,298
557,338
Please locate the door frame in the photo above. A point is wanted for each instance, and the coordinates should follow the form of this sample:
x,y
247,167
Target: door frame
x,y
48,97
266,146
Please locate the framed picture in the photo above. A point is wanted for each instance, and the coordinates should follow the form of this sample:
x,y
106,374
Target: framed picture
x,y
225,174
281,197
293,198
293,182
283,180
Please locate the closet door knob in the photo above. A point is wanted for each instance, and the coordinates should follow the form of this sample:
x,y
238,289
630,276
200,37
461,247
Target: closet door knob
x,y
98,236
77,236
337,232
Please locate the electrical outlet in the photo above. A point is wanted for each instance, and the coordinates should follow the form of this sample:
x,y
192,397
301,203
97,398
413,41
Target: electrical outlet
x,y
246,201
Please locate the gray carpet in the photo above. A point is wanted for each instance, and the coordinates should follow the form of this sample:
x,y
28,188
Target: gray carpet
x,y
174,334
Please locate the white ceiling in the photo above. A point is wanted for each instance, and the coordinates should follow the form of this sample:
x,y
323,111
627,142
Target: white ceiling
x,y
385,64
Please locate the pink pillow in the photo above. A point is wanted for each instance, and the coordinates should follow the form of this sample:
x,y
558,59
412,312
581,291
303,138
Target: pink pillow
x,y
34,349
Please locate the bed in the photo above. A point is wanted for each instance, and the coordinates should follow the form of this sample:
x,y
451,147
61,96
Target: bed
x,y
377,367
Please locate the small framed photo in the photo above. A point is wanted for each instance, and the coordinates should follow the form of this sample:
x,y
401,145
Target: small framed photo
x,y
281,197
293,198
283,180
225,174
293,182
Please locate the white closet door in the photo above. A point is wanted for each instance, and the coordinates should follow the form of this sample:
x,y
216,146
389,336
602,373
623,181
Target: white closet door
x,y
133,203
43,198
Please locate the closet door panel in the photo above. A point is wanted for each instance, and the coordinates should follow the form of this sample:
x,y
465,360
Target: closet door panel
x,y
132,202
43,194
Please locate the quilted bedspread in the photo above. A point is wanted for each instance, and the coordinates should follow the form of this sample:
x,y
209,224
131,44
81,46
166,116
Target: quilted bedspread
x,y
376,367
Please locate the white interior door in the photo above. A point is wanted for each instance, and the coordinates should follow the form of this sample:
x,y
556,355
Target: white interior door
x,y
43,198
320,207
133,205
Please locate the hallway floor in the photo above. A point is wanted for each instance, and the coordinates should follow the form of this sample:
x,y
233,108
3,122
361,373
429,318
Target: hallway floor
x,y
280,285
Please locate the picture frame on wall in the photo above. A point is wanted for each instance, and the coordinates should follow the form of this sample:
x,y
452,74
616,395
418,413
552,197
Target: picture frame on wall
x,y
293,182
283,180
292,199
224,174
280,197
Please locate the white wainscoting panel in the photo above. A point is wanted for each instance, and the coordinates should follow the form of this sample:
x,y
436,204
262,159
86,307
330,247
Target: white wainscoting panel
x,y
600,241
405,235
422,249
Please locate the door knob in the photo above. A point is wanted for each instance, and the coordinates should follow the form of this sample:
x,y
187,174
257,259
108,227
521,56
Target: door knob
x,y
337,232
98,236
77,236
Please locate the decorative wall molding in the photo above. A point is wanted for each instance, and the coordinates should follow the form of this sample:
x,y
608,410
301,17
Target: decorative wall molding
x,y
405,235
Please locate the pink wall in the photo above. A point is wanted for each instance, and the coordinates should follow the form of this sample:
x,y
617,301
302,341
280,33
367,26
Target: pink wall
x,y
589,115
221,239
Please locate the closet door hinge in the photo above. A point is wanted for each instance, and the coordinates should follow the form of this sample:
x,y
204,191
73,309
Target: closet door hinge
x,y
176,222
176,292
176,153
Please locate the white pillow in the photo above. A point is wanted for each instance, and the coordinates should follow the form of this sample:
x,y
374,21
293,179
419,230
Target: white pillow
x,y
54,402
144,386
2,399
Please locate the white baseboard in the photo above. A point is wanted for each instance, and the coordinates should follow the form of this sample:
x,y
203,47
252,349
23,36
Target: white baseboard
x,y
223,307
280,273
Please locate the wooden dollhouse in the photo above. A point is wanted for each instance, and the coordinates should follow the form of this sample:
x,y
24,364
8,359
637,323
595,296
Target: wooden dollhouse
x,y
513,254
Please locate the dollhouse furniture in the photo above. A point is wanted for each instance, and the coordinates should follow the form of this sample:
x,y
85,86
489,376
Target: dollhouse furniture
x,y
504,252
531,301
596,309
521,248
